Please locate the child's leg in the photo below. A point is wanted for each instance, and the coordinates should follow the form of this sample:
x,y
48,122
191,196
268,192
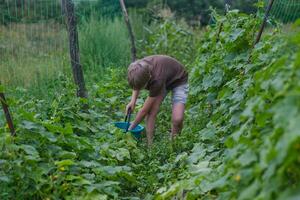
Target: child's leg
x,y
150,120
177,118
179,99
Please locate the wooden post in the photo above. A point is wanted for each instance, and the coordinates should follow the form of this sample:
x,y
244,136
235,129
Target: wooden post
x,y
263,25
7,114
227,4
131,35
68,9
226,9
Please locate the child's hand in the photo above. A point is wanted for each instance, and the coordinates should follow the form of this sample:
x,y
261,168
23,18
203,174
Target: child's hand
x,y
130,107
131,126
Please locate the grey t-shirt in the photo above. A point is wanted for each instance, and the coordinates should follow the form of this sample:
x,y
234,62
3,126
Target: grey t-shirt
x,y
166,74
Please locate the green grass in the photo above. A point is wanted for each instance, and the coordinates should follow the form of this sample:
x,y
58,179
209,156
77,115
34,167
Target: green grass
x,y
32,55
104,43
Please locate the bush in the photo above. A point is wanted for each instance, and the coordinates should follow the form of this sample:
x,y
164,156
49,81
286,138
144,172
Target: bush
x,y
243,115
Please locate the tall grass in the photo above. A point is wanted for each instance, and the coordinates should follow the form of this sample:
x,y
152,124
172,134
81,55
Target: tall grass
x,y
32,54
103,43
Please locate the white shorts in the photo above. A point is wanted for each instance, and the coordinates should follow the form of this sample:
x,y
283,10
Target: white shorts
x,y
179,94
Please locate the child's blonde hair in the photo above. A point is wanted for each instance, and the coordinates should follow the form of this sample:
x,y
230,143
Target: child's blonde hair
x,y
138,74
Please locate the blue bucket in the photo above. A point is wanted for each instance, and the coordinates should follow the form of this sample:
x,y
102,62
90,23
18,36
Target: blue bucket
x,y
136,132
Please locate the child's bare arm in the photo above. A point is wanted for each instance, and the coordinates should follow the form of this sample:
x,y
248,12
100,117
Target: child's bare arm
x,y
131,105
143,112
135,95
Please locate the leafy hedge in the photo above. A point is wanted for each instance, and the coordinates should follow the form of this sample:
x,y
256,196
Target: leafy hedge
x,y
62,152
245,112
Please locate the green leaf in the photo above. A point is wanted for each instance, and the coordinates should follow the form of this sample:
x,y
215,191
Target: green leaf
x,y
29,125
4,179
198,153
50,136
236,34
251,191
122,154
247,158
29,150
207,186
180,157
68,128
104,186
77,180
95,195
208,133
89,164
290,194
63,163
201,167
296,23
113,170
67,155
1,88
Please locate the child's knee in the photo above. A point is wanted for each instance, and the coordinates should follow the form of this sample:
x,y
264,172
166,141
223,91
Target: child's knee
x,y
151,116
177,121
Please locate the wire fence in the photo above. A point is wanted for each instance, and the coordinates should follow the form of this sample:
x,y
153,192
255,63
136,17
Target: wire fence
x,y
286,11
33,38
34,44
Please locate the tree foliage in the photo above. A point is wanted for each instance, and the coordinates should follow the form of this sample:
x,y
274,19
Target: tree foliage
x,y
35,10
29,10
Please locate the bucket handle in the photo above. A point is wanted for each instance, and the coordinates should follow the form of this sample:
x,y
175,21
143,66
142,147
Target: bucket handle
x,y
128,116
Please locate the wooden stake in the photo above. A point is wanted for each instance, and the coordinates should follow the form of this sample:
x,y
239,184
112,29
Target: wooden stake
x,y
131,35
226,9
7,114
263,25
68,9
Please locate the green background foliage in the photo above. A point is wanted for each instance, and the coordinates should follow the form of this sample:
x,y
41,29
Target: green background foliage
x,y
194,12
241,136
